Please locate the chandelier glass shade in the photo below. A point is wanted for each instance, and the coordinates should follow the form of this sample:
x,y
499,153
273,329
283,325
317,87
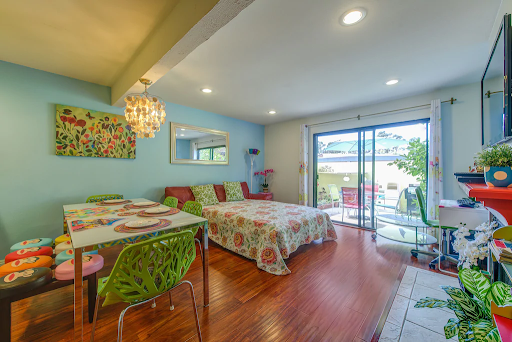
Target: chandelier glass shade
x,y
144,112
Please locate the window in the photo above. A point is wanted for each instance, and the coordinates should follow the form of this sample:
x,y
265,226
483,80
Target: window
x,y
212,153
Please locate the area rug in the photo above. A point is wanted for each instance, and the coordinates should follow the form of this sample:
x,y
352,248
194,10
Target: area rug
x,y
404,322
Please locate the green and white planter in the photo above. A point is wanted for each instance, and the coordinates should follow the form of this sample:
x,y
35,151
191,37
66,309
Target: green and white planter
x,y
498,176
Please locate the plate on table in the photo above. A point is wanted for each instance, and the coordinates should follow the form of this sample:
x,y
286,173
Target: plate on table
x,y
142,223
160,210
143,204
112,201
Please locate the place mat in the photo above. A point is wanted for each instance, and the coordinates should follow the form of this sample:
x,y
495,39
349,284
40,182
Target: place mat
x,y
80,225
88,212
123,229
172,211
129,213
113,204
131,206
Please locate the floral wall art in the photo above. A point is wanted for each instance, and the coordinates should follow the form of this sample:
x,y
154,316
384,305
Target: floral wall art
x,y
88,133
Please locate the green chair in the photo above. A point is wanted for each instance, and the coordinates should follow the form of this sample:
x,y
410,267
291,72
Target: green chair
x,y
147,270
432,223
99,198
171,202
196,209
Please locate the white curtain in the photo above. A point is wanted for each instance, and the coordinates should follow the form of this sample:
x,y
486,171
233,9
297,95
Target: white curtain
x,y
303,165
435,165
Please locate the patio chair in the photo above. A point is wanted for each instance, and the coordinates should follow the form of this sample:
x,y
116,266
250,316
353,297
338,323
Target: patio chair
x,y
335,195
434,224
147,270
350,200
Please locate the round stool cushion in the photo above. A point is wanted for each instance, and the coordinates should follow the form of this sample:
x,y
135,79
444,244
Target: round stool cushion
x,y
32,243
28,252
69,254
26,263
62,238
24,281
90,264
63,246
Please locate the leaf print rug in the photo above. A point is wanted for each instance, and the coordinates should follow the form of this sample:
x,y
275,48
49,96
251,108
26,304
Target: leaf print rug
x,y
266,231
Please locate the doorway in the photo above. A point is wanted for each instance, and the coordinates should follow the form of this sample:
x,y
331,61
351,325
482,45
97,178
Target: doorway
x,y
366,176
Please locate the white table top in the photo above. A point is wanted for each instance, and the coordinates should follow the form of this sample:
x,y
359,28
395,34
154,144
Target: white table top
x,y
95,236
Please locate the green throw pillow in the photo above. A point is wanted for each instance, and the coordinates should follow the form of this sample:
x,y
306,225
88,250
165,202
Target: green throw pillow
x,y
205,194
233,191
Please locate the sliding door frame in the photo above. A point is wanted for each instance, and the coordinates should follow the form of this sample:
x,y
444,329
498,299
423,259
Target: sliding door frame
x,y
360,155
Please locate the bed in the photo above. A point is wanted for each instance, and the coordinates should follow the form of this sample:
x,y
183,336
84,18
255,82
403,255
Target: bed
x,y
266,231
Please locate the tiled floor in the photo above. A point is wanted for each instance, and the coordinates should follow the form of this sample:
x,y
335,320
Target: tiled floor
x,y
405,323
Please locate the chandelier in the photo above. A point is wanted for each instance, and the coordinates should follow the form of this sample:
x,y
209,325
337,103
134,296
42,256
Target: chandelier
x,y
144,112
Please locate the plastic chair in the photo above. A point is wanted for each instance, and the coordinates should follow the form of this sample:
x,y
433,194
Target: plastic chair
x,y
435,224
171,202
99,198
193,208
147,270
335,195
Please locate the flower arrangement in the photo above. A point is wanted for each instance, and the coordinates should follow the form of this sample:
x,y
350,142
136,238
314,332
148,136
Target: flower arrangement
x,y
265,173
497,155
470,251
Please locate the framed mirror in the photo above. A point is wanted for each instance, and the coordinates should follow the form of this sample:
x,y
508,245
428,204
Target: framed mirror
x,y
198,145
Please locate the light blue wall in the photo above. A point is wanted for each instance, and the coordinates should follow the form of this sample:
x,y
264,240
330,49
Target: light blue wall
x,y
35,183
182,149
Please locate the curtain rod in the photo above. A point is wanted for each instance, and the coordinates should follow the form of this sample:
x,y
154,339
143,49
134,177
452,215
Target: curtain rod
x,y
452,100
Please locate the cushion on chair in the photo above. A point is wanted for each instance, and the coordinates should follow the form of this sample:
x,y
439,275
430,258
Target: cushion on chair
x,y
28,252
63,246
90,264
233,191
205,194
32,243
62,238
23,281
69,254
26,263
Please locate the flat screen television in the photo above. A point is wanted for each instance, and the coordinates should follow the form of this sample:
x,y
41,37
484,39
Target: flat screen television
x,y
495,89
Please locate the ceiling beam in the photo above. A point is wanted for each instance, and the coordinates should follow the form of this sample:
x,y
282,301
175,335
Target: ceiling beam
x,y
189,24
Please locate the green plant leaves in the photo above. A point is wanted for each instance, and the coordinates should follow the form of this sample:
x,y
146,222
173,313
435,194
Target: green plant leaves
x,y
472,310
475,282
451,328
429,302
497,155
483,330
499,293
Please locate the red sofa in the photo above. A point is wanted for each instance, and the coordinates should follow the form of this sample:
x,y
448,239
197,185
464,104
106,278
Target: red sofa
x,y
184,194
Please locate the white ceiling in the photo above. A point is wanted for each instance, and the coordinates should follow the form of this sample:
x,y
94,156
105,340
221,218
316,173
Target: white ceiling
x,y
294,57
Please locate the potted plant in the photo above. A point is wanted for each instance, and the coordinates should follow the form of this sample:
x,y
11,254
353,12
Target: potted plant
x,y
265,174
474,321
497,164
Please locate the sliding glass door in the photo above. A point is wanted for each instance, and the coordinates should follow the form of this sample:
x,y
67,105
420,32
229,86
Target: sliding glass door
x,y
361,174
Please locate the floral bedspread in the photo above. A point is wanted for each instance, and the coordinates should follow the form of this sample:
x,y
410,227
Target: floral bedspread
x,y
266,231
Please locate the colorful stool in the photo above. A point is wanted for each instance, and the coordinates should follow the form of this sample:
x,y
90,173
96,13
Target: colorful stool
x,y
28,252
26,263
32,243
90,264
62,238
63,246
24,281
69,254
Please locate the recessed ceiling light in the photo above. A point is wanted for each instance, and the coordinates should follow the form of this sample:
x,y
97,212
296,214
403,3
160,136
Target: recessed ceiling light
x,y
271,111
206,90
391,82
353,16
182,129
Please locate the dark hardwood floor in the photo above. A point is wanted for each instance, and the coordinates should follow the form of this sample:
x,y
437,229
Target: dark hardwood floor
x,y
336,292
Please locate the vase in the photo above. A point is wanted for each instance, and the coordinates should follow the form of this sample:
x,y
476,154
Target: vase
x,y
498,176
265,190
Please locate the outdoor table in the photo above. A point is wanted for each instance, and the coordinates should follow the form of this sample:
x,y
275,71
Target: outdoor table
x,y
86,239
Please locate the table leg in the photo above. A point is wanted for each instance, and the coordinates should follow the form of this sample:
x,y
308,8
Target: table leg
x,y
78,332
5,319
206,281
92,290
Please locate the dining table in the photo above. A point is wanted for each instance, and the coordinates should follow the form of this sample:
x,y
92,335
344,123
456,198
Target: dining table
x,y
102,236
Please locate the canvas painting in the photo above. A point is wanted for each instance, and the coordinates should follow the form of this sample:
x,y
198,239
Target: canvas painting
x,y
89,133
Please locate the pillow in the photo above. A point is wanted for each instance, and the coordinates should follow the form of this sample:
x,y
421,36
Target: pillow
x,y
204,194
233,191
